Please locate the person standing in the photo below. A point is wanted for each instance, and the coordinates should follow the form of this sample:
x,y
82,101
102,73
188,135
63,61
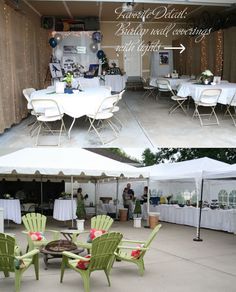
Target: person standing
x,y
145,195
128,197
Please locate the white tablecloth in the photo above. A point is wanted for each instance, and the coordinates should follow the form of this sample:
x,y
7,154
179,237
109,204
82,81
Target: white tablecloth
x,y
1,221
76,104
194,90
214,219
174,82
117,82
11,210
62,210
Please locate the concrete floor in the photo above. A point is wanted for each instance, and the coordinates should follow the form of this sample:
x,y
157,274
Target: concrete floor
x,y
146,123
174,263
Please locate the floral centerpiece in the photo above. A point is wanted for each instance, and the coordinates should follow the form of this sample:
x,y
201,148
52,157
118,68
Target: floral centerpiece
x,y
65,195
206,77
68,78
6,196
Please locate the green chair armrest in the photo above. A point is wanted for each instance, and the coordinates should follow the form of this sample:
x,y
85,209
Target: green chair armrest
x,y
131,247
25,231
29,254
74,256
132,241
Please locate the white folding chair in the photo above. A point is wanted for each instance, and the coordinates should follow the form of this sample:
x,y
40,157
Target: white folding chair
x,y
34,125
163,85
116,108
208,98
232,104
179,101
149,90
48,111
104,113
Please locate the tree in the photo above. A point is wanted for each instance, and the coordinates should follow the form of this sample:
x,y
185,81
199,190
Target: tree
x,y
149,158
227,155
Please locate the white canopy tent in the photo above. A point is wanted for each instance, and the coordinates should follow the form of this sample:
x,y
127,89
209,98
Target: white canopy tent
x,y
70,163
185,170
222,173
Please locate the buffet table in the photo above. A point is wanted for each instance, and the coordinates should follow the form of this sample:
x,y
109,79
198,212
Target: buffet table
x,y
194,90
62,210
117,82
86,82
212,219
11,210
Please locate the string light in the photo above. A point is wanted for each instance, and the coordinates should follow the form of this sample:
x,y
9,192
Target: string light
x,y
219,53
204,62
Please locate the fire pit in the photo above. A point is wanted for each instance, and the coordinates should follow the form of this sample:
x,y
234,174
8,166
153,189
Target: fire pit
x,y
55,248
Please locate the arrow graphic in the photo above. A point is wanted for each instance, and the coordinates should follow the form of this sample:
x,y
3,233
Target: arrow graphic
x,y
182,48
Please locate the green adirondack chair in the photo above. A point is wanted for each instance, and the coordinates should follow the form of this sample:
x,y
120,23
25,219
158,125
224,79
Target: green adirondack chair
x,y
123,255
35,222
99,222
102,256
10,263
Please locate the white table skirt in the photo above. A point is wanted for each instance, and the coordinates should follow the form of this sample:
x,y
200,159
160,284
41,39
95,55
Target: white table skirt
x,y
76,104
62,210
117,82
86,82
1,221
195,90
174,82
11,210
214,219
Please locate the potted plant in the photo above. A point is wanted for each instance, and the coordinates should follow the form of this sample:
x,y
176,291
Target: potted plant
x,y
68,79
81,212
206,77
138,212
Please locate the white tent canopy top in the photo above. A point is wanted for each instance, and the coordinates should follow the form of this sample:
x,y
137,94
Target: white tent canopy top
x,y
66,162
190,169
222,173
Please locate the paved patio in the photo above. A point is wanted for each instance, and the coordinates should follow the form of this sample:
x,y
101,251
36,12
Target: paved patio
x,y
174,263
146,123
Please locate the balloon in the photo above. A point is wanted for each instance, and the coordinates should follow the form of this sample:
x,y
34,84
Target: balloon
x,y
58,37
53,42
94,47
58,53
97,37
100,54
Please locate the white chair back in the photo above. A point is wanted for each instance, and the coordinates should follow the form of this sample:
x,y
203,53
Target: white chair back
x,y
108,103
163,85
27,92
121,94
210,96
48,108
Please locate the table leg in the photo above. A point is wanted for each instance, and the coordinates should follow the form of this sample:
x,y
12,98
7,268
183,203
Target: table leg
x,y
45,259
71,126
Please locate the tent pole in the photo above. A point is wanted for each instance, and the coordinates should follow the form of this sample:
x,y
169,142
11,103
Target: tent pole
x,y
148,203
72,201
41,194
95,197
198,238
117,194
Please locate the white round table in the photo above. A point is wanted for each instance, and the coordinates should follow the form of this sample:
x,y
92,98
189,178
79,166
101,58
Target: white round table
x,y
75,105
11,210
62,210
